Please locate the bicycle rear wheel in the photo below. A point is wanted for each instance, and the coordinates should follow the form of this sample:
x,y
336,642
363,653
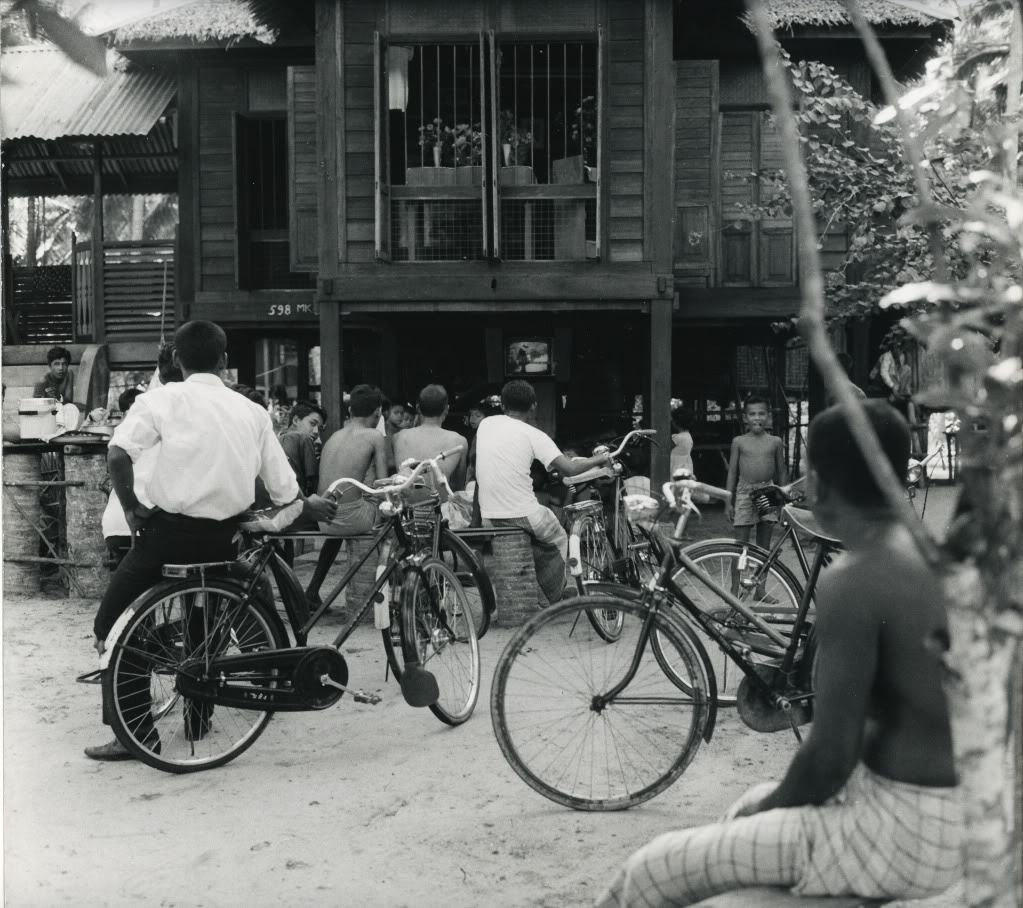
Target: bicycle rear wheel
x,y
438,631
175,624
771,592
589,544
474,579
566,748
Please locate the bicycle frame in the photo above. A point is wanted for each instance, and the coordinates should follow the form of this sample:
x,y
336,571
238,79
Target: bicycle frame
x,y
664,589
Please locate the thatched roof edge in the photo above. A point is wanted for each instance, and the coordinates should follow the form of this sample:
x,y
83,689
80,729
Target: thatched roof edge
x,y
202,22
788,14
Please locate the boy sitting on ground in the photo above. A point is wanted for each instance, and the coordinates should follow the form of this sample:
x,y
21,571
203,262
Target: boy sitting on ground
x,y
869,805
358,451
757,460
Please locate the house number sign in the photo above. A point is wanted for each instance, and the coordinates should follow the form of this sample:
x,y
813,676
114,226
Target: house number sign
x,y
292,310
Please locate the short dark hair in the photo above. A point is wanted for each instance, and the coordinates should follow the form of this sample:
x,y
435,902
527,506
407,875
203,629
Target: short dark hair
x,y
756,399
126,398
166,368
835,455
57,353
364,400
518,396
200,345
433,400
684,418
304,408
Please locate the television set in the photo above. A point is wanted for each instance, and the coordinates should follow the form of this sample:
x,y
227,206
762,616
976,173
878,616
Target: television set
x,y
528,357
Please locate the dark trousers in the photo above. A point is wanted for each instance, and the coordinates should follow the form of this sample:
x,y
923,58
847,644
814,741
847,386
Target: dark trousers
x,y
166,539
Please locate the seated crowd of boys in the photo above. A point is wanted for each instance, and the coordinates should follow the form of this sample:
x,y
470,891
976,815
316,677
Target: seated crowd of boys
x,y
869,804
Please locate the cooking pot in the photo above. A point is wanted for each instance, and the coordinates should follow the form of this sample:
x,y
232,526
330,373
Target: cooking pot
x,y
37,417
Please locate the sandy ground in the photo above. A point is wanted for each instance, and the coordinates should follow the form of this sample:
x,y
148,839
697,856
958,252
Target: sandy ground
x,y
358,805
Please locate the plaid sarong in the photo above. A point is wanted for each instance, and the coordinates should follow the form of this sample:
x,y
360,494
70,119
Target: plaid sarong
x,y
876,838
550,546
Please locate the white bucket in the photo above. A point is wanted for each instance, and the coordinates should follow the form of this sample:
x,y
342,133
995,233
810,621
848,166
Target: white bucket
x,y
37,417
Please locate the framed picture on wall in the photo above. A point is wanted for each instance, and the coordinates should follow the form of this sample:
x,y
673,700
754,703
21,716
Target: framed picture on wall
x,y
526,357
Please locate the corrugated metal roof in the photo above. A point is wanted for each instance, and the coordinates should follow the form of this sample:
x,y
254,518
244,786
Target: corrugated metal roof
x,y
46,96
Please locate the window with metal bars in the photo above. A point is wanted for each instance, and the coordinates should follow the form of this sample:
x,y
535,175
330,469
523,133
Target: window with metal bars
x,y
488,150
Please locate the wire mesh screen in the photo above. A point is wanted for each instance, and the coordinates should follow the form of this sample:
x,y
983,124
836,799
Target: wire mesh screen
x,y
548,229
437,230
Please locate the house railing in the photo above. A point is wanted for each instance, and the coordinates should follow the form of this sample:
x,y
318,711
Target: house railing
x,y
133,298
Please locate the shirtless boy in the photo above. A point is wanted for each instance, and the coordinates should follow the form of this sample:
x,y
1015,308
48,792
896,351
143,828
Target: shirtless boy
x,y
358,451
428,439
869,805
757,460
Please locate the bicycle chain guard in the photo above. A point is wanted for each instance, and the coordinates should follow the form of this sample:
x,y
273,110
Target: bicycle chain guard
x,y
763,715
298,687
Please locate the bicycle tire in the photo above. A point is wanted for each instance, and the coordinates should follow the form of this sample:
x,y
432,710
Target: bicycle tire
x,y
535,706
781,584
190,736
597,559
633,550
465,563
439,633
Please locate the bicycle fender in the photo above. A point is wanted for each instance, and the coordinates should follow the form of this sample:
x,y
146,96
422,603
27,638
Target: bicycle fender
x,y
575,556
119,625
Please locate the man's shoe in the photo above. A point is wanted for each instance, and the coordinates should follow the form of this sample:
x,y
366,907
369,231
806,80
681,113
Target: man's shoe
x,y
115,750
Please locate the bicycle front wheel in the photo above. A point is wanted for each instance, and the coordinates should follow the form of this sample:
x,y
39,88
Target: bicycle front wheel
x,y
176,624
479,590
576,750
769,590
438,631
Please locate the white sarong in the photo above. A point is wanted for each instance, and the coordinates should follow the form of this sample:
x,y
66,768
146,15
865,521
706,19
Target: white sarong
x,y
876,838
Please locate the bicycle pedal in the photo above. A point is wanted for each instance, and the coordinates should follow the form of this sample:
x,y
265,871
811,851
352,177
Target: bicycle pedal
x,y
359,696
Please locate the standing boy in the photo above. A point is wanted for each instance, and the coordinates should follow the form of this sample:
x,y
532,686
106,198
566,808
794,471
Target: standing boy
x,y
757,460
305,420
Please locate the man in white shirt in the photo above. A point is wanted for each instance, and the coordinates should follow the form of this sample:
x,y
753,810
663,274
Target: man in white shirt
x,y
506,446
212,445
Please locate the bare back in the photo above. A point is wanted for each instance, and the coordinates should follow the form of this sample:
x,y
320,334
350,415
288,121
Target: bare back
x,y
428,441
884,609
353,452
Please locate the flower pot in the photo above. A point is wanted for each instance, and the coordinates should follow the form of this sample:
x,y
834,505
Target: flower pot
x,y
516,175
469,175
436,155
568,170
431,176
506,150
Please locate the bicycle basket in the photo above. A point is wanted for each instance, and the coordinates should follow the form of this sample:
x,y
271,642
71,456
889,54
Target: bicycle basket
x,y
642,510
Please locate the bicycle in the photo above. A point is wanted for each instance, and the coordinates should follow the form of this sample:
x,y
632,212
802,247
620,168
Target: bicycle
x,y
597,550
597,727
197,665
759,578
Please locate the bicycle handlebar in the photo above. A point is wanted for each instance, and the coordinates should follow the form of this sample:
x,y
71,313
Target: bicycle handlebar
x,y
605,472
393,488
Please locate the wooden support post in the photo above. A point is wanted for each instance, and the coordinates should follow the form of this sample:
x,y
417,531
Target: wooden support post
x,y
659,408
331,371
99,319
10,321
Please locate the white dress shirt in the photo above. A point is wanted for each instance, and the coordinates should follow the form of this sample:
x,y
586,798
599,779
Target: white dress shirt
x,y
213,443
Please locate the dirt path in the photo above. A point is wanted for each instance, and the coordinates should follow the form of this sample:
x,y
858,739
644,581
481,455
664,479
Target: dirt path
x,y
358,805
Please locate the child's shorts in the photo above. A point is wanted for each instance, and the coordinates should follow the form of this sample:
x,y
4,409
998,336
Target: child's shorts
x,y
746,514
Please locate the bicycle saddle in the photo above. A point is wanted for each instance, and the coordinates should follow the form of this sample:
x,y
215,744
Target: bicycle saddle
x,y
805,521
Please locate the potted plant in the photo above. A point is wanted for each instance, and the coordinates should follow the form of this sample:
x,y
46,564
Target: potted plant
x,y
467,151
515,143
582,130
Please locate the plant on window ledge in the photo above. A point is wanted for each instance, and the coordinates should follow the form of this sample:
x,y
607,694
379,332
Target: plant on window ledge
x,y
584,129
512,137
460,145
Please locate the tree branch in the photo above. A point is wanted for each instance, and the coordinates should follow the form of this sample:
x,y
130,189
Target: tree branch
x,y
811,315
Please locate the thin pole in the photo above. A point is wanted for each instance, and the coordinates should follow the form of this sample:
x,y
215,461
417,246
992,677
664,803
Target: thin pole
x,y
454,93
422,108
550,151
532,96
564,96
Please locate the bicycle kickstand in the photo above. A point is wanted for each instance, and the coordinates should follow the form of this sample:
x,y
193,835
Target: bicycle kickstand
x,y
359,696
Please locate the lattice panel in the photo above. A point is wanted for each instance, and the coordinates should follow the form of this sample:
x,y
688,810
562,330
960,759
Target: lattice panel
x,y
548,229
445,230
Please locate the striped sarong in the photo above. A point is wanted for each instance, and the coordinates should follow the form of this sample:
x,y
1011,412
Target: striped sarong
x,y
876,838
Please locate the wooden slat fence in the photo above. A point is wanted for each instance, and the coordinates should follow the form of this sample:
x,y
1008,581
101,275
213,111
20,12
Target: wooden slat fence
x,y
42,303
138,285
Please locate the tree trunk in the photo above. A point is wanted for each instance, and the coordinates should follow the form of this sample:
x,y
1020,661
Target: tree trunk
x,y
138,216
980,663
32,232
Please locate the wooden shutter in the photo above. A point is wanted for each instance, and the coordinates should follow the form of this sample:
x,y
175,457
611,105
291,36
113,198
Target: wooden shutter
x,y
601,50
485,188
738,162
381,175
303,169
696,166
776,247
494,150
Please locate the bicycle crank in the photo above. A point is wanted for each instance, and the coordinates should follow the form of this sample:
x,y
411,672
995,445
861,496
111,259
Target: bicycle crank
x,y
276,680
773,706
